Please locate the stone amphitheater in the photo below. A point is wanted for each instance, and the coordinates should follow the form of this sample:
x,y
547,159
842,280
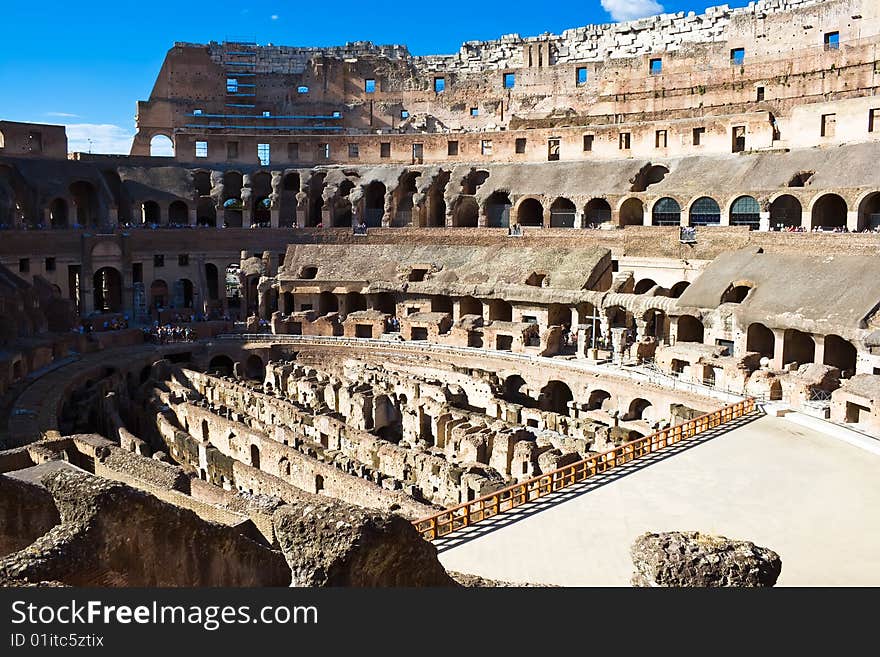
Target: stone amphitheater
x,y
378,310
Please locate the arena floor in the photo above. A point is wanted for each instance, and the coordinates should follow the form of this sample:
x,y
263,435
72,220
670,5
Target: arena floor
x,y
811,498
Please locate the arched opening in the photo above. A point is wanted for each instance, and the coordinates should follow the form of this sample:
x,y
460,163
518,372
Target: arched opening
x,y
632,212
562,213
498,210
251,295
406,188
184,292
705,212
319,484
599,400
598,212
436,215
841,354
760,339
500,311
254,368
797,347
869,212
159,294
555,397
287,302
206,432
202,183
85,201
206,212
316,199
678,289
232,205
374,204
785,212
289,189
108,290
690,329
342,215
221,365
666,212
466,213
640,409
150,213
470,306
829,212
284,467
327,303
355,301
515,391
255,456
735,293
530,213
643,286
161,146
384,302
655,323
261,190
559,314
619,317
745,211
58,213
212,280
178,213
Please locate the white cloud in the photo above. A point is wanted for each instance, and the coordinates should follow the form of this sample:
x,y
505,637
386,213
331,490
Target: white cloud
x,y
627,10
105,138
63,115
274,17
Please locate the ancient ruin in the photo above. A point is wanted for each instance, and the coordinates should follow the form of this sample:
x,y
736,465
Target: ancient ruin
x,y
370,286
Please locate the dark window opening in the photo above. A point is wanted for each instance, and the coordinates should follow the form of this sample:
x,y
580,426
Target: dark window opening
x,y
699,133
452,148
158,260
588,142
520,145
385,149
50,264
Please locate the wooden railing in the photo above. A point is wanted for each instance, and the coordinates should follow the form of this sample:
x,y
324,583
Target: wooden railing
x,y
469,513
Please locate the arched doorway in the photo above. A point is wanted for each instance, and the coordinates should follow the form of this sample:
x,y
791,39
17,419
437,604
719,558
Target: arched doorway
x,y
254,368
107,286
327,303
374,204
159,294
690,329
798,347
598,212
58,213
436,215
530,213
599,400
261,189
178,213
640,409
212,280
759,338
869,212
342,215
498,210
316,199
678,289
206,212
562,213
516,392
555,397
785,212
151,213
232,205
841,354
85,201
406,188
632,212
466,213
255,457
643,286
829,211
221,365
185,292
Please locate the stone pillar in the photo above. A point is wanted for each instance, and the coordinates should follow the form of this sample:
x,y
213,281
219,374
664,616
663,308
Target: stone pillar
x,y
200,293
778,345
725,217
456,311
852,221
806,219
301,215
547,218
580,218
274,217
221,217
646,216
819,350
764,220
342,303
193,216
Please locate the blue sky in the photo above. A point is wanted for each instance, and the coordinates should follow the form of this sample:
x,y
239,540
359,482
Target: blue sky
x,y
85,64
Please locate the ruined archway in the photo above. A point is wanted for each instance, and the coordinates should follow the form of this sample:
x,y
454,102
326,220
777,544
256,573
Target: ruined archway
x,y
841,354
254,368
498,207
798,347
159,297
690,329
178,213
678,289
161,146
644,286
640,409
500,311
869,212
58,213
85,202
745,211
666,212
466,213
562,213
374,204
632,212
221,365
785,212
598,211
705,212
599,400
555,397
327,303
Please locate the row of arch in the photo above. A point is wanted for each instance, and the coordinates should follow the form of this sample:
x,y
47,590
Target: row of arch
x,y
800,347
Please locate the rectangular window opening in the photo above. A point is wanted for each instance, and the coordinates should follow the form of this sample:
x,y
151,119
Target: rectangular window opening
x,y
873,119
832,40
50,264
829,125
737,56
439,84
656,66
660,139
201,149
353,151
509,80
759,94
624,141
263,153
370,85
452,148
231,85
553,149
520,145
486,146
231,150
475,111
581,75
699,133
588,142
385,149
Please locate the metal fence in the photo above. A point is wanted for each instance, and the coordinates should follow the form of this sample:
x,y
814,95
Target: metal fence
x,y
511,497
